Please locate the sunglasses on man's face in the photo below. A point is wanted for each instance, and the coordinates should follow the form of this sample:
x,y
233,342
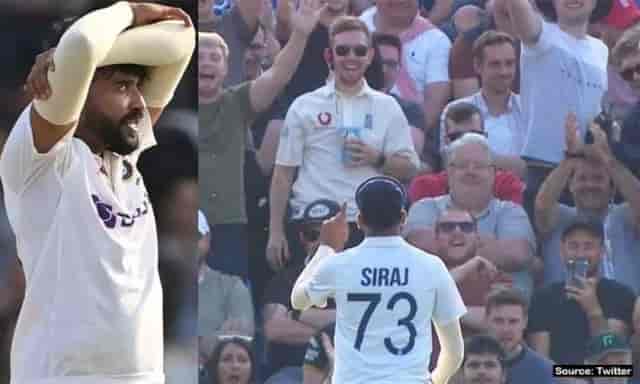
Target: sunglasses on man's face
x,y
450,226
358,50
456,135
629,73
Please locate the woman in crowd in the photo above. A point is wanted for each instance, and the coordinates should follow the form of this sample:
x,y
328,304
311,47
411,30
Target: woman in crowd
x,y
232,362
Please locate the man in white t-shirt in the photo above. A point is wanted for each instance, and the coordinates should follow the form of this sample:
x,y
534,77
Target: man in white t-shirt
x,y
563,70
387,294
335,138
86,233
494,59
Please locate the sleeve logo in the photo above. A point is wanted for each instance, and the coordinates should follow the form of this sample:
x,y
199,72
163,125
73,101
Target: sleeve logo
x,y
112,219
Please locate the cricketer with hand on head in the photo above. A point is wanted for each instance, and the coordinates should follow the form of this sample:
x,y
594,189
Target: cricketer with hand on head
x,y
86,233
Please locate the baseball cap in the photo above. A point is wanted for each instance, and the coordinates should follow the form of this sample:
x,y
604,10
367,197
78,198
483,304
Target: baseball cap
x,y
604,343
319,211
623,14
380,200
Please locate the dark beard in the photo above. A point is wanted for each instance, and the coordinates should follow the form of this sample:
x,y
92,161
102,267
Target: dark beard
x,y
116,136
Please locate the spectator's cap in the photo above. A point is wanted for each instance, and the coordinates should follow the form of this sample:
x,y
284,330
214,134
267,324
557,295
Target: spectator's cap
x,y
203,225
600,11
585,223
319,211
380,197
624,13
607,342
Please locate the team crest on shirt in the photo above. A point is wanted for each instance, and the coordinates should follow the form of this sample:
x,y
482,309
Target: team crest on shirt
x,y
112,219
324,118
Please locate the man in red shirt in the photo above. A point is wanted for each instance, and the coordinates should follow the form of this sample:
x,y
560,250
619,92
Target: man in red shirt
x,y
462,118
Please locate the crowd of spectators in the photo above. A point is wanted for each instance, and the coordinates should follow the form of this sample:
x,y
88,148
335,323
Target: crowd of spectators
x,y
514,126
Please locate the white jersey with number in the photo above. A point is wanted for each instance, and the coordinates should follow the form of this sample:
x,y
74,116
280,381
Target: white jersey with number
x,y
387,293
87,241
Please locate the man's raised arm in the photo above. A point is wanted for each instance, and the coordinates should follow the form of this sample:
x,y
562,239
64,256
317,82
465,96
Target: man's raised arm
x,y
96,40
165,47
266,88
523,18
81,49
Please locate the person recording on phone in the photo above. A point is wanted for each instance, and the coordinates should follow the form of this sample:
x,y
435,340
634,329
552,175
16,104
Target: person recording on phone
x,y
564,314
593,174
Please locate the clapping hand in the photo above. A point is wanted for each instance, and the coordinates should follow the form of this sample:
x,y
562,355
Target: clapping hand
x,y
575,145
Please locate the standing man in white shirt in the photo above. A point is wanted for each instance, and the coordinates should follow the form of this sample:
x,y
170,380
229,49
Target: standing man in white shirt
x,y
86,232
387,293
336,137
563,70
494,60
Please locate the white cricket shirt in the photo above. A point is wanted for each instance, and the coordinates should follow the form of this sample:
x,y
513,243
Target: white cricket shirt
x,y
92,311
312,139
387,293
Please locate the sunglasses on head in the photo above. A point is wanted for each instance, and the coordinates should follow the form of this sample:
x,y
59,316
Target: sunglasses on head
x,y
629,73
450,226
456,135
358,50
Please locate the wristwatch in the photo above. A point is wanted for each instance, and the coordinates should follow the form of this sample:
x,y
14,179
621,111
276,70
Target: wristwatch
x,y
381,160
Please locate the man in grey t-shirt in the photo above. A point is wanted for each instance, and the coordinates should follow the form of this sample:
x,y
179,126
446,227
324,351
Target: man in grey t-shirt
x,y
505,231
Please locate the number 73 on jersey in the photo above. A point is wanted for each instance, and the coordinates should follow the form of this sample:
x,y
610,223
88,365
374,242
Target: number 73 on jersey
x,y
373,300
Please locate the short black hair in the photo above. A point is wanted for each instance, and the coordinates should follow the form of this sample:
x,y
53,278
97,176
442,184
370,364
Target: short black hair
x,y
382,220
590,225
387,39
460,113
484,344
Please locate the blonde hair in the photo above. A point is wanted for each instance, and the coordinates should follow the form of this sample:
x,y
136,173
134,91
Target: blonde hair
x,y
217,41
628,44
